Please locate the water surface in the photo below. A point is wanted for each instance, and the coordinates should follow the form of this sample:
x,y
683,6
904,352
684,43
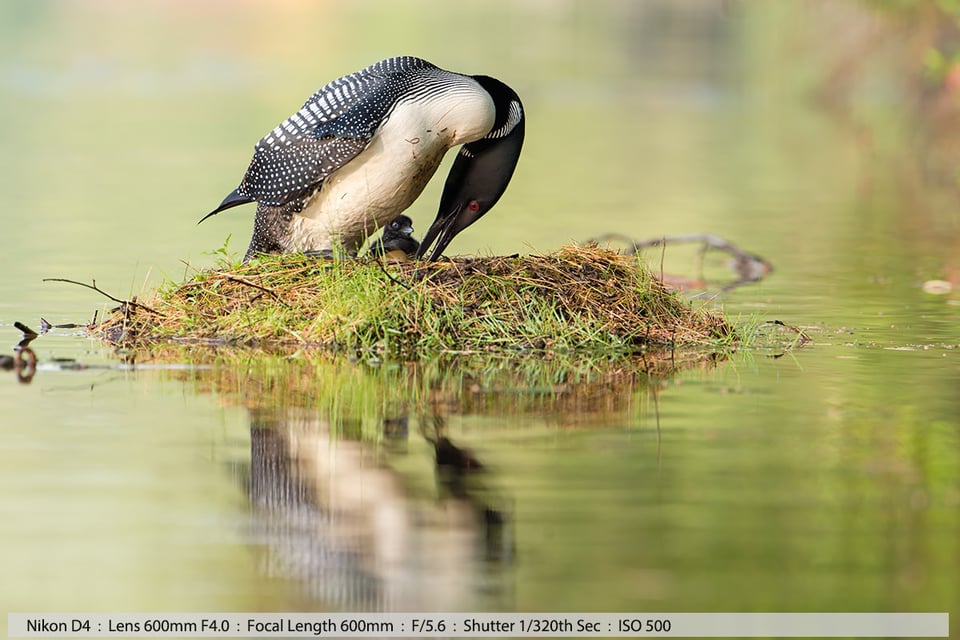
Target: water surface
x,y
825,478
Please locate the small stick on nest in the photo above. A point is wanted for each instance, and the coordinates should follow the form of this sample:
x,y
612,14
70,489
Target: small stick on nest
x,y
123,303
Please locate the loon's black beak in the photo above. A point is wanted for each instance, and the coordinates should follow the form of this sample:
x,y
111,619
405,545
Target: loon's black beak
x,y
481,172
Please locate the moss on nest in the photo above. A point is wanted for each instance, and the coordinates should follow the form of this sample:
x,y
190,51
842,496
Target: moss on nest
x,y
579,298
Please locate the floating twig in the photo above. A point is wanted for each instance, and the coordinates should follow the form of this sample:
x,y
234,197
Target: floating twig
x,y
29,335
46,325
25,330
802,338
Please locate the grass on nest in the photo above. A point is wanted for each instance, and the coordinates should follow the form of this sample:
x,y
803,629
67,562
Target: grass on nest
x,y
578,298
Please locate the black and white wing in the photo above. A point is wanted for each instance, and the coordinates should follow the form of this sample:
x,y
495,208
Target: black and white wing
x,y
331,128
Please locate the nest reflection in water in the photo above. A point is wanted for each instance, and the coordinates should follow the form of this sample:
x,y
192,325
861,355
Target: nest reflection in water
x,y
374,487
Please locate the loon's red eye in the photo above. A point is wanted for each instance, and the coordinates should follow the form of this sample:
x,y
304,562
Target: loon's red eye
x,y
474,205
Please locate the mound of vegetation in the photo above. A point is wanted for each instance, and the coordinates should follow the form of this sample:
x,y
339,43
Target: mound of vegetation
x,y
579,298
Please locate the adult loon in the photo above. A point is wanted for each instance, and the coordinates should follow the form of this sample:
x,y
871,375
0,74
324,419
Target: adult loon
x,y
362,149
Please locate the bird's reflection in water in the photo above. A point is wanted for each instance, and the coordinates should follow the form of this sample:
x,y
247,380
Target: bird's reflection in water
x,y
460,477
331,514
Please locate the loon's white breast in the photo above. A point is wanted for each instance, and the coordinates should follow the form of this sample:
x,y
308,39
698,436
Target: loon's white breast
x,y
395,167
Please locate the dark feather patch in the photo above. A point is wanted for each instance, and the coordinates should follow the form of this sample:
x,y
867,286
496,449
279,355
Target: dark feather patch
x,y
278,175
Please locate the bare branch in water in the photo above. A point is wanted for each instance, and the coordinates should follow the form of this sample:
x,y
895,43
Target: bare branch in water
x,y
29,335
748,267
25,330
802,338
46,325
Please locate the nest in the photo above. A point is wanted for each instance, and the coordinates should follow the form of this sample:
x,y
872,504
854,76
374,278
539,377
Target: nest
x,y
576,298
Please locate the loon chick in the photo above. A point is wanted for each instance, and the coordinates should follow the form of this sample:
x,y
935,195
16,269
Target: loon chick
x,y
397,238
362,149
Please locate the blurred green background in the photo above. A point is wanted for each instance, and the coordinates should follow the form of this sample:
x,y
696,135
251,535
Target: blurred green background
x,y
820,135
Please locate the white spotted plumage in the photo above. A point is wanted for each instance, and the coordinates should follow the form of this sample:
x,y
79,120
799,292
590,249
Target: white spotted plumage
x,y
361,149
298,158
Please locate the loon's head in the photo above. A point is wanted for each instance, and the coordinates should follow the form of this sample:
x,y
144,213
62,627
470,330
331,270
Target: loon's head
x,y
481,172
399,227
397,237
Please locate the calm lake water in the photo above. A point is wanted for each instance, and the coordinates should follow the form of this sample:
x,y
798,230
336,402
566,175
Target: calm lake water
x,y
825,478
